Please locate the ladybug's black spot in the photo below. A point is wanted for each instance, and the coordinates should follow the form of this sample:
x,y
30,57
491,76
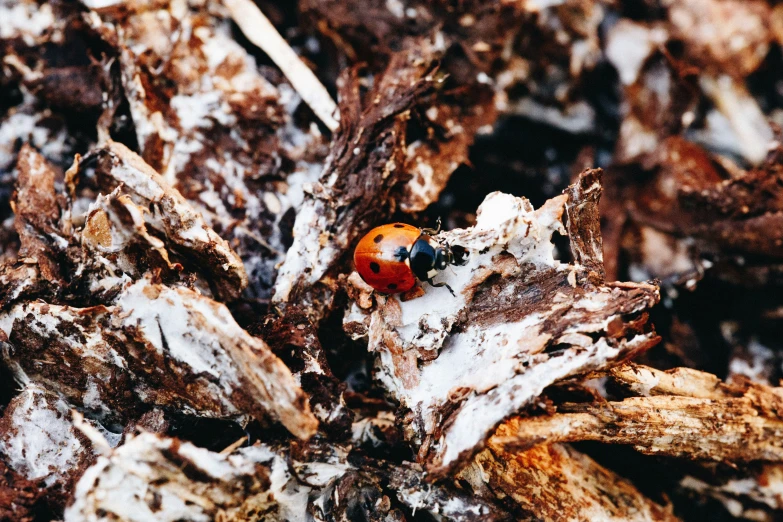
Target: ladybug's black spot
x,y
378,238
392,286
375,267
399,226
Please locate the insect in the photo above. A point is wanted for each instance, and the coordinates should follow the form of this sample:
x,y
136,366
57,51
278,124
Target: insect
x,y
391,257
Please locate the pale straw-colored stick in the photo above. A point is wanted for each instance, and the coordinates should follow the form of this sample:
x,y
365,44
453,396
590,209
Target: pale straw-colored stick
x,y
259,30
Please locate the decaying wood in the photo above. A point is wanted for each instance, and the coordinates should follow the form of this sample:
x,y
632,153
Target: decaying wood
x,y
165,211
229,145
364,165
181,333
683,413
472,37
38,213
708,211
294,339
440,500
213,367
163,479
555,482
39,440
18,496
708,32
584,225
520,320
752,493
752,361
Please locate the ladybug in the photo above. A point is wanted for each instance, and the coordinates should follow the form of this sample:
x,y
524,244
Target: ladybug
x,y
391,257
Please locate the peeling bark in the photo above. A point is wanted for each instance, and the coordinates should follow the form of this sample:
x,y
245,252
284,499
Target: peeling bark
x,y
165,210
38,211
682,413
584,225
364,166
521,320
117,354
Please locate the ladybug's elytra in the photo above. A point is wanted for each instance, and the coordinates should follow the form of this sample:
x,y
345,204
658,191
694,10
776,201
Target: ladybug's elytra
x,y
391,257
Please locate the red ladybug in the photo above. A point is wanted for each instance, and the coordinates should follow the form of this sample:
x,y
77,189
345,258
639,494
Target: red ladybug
x,y
391,257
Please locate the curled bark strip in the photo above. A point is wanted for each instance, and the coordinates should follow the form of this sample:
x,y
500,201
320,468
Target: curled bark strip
x,y
467,105
676,416
364,165
520,321
41,221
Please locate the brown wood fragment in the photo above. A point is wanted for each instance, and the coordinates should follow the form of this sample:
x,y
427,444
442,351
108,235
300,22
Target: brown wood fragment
x,y
18,496
682,413
165,479
38,212
115,355
556,482
170,214
584,225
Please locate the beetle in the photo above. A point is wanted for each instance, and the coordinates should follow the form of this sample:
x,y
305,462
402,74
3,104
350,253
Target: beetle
x,y
390,258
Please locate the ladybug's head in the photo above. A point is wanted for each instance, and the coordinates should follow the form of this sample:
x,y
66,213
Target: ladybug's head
x,y
443,258
446,255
